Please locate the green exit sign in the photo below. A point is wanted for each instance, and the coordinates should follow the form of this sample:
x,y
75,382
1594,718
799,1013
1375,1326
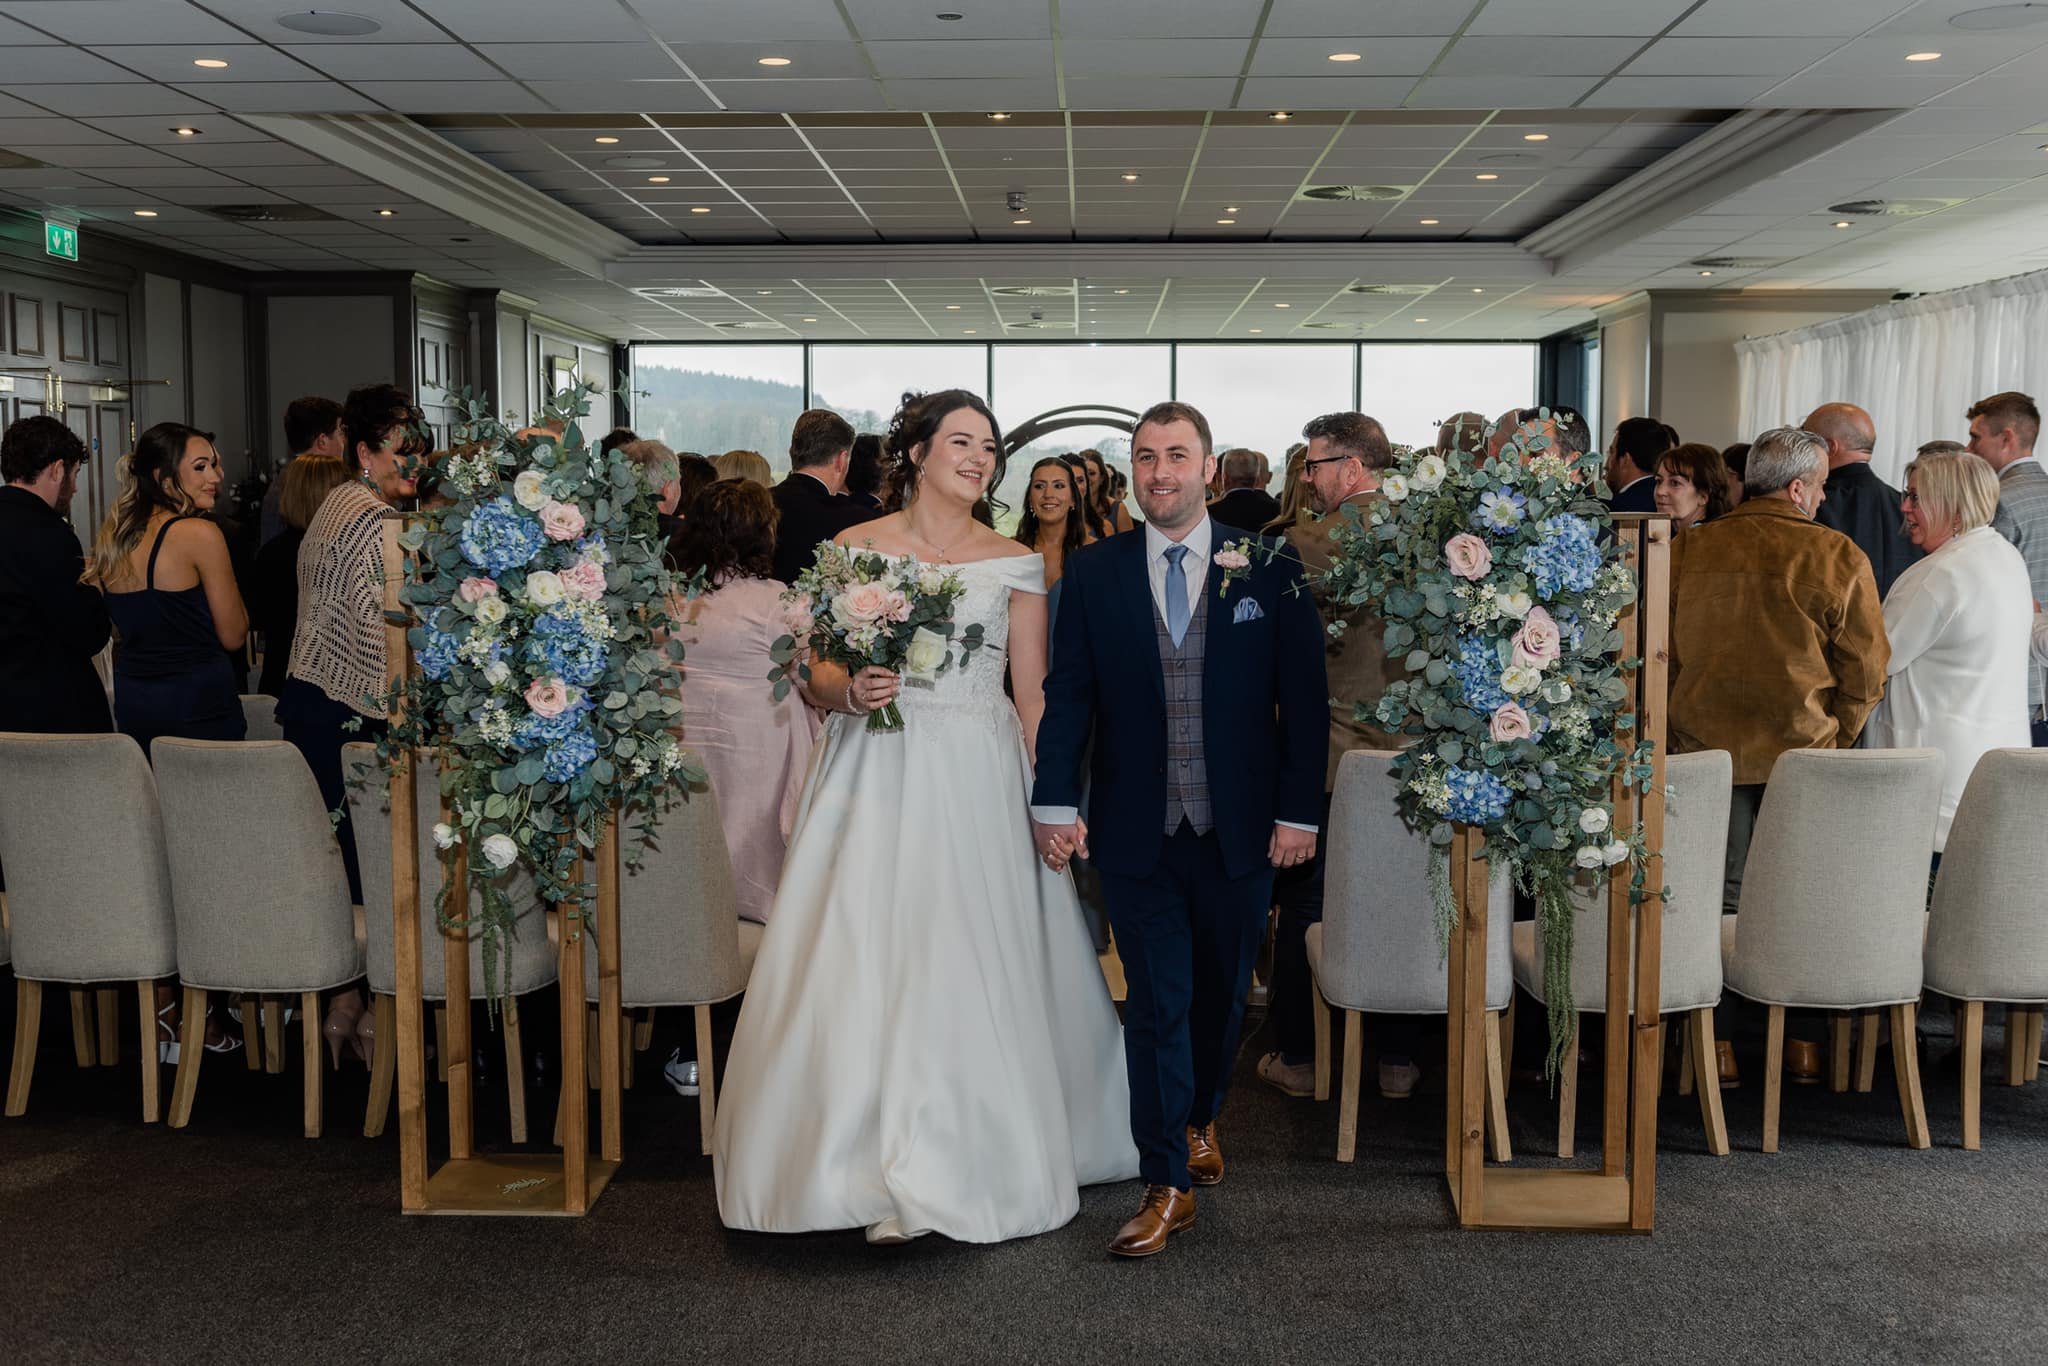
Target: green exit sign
x,y
60,239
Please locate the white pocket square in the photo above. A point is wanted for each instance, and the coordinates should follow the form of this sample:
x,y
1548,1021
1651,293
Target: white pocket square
x,y
1248,610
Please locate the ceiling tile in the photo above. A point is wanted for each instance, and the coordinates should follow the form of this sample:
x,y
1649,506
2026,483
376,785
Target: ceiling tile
x,y
400,61
28,67
598,97
453,97
1086,19
1378,56
174,63
495,21
124,21
1326,92
104,101
400,22
913,19
282,97
1542,18
584,61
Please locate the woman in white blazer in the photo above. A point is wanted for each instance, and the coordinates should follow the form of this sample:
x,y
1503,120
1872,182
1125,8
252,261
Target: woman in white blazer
x,y
1961,623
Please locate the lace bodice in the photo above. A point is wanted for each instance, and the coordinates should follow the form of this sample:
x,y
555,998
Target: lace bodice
x,y
979,685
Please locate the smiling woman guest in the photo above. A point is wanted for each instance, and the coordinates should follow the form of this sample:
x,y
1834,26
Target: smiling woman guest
x,y
1053,523
171,593
1692,485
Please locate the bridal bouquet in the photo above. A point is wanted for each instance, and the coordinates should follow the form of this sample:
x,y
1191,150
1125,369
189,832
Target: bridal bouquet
x,y
859,608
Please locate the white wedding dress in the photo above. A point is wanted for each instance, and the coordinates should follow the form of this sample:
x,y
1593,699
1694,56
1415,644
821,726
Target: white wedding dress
x,y
927,1043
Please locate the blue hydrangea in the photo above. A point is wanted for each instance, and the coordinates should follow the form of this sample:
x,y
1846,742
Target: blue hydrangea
x,y
1477,797
1477,669
1565,559
570,755
560,646
1499,512
535,731
437,656
501,535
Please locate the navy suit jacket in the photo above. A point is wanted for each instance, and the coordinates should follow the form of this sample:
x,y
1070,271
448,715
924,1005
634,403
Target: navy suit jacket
x,y
1265,706
1640,496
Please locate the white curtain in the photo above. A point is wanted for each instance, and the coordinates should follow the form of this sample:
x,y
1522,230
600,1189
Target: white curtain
x,y
1917,365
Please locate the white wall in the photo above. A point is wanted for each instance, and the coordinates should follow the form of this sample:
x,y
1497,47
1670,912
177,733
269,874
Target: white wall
x,y
1625,366
1696,377
326,345
514,370
220,373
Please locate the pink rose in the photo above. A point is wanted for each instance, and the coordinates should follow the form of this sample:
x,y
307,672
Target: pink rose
x,y
562,521
1232,559
548,697
1510,722
862,604
1539,642
895,606
583,580
476,590
1468,556
796,614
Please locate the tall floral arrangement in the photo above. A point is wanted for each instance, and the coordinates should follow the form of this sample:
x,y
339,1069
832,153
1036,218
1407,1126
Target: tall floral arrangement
x,y
1500,590
544,671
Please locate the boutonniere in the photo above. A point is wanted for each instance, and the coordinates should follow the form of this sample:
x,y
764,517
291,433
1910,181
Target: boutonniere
x,y
1234,559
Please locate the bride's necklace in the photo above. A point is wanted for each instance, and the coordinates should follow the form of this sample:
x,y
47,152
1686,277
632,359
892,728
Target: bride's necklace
x,y
943,550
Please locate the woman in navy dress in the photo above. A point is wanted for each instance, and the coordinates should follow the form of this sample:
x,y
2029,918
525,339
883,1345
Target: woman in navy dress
x,y
170,590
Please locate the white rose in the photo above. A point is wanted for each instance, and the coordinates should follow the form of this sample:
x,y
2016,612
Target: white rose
x,y
1395,486
930,581
1588,856
1614,853
1556,690
445,836
1516,680
1429,473
926,653
492,610
530,490
500,852
497,672
1515,603
544,588
1593,820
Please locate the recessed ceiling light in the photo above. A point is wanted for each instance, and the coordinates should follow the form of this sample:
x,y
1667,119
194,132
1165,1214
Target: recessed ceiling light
x,y
1477,290
1230,208
967,331
387,213
1923,56
1429,222
999,116
1225,222
145,213
186,132
946,16
771,61
1279,116
210,63
700,209
1486,175
810,320
1535,137
605,142
1842,223
1123,291
764,291
1020,222
1257,329
1706,272
1422,320
1283,305
1344,56
329,24
952,308
657,180
1130,175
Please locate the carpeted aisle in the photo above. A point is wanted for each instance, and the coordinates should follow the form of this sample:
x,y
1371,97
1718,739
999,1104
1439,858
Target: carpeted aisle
x,y
238,1239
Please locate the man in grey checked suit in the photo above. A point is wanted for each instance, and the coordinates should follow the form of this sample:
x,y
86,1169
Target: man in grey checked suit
x,y
2003,429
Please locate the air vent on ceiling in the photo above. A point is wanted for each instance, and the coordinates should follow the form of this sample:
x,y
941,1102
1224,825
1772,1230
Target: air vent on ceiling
x,y
1388,289
15,161
1039,325
1033,291
1894,208
679,292
753,325
270,213
1739,262
1331,327
1354,193
2000,17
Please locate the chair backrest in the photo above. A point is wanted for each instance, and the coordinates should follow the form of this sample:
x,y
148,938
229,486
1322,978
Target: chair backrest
x,y
259,713
679,934
88,886
1380,945
256,875
1987,938
532,957
1834,896
1695,861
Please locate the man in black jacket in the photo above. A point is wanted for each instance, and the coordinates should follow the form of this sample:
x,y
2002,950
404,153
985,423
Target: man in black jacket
x,y
1245,504
1632,455
1859,504
811,501
51,622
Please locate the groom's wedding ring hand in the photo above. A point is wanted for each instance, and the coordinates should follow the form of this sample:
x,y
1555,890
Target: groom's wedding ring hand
x,y
1290,848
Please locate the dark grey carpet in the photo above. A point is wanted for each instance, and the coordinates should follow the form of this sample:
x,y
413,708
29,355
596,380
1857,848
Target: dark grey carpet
x,y
238,1239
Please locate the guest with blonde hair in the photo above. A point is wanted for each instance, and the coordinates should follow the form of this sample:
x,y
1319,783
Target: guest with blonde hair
x,y
1959,621
743,464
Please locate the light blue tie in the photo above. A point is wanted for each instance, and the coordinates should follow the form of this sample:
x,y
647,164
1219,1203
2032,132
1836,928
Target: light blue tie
x,y
1176,594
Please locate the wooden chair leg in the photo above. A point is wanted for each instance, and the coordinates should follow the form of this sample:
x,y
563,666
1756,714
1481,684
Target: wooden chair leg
x,y
1496,1091
108,1026
643,1031
1568,1093
81,1029
1699,1033
515,1069
707,1086
252,1036
441,1043
1774,1074
309,1049
2033,1043
591,1066
1838,1052
1971,1028
626,1057
1347,1107
1322,1013
383,1063
1906,1066
273,1037
1507,1045
28,1023
1685,1057
1866,1052
191,1048
145,1002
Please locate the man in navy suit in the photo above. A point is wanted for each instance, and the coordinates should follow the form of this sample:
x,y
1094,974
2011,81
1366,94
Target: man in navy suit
x,y
1203,687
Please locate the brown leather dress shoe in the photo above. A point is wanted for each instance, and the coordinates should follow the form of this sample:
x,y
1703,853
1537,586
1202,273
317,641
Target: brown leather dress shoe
x,y
1165,1211
1205,1159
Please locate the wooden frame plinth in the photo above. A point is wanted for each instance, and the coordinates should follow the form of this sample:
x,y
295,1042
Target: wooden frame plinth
x,y
511,1183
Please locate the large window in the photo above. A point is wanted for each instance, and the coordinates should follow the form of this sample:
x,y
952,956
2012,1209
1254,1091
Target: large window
x,y
1033,381
1411,389
863,384
1259,396
712,399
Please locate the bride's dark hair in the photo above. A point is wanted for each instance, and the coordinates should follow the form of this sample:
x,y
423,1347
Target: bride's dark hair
x,y
915,424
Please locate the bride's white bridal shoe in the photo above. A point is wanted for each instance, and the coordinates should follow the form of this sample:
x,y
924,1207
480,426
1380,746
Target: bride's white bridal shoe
x,y
889,1233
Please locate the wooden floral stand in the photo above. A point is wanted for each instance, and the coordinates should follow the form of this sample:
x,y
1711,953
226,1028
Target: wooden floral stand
x,y
1621,1195
511,1183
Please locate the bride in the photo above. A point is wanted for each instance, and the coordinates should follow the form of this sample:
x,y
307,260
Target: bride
x,y
927,1044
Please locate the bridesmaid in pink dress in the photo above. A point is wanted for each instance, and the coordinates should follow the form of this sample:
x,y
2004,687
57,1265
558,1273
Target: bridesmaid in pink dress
x,y
755,748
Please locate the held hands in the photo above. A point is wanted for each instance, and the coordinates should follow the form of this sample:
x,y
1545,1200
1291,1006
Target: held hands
x,y
1059,843
871,688
1290,847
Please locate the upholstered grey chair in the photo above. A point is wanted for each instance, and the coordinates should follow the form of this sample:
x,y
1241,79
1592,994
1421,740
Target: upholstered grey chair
x,y
1834,900
1377,948
259,711
681,941
88,889
1987,933
532,958
257,882
1689,976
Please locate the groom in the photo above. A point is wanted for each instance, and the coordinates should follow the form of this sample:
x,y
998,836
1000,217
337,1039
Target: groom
x,y
1203,688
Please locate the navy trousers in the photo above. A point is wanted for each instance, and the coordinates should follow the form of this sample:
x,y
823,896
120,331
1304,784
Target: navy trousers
x,y
1188,934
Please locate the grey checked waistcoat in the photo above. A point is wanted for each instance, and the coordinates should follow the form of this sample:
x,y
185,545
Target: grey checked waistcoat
x,y
1187,763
